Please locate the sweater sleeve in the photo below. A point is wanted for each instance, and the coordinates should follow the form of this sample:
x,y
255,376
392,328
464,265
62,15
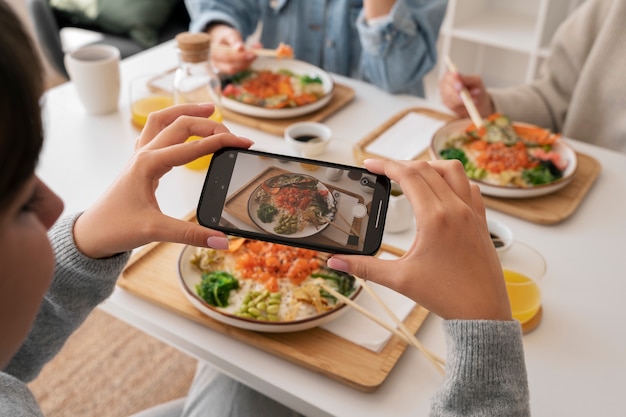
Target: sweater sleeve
x,y
15,398
79,284
546,101
485,370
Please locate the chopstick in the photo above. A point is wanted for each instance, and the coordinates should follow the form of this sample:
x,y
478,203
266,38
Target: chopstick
x,y
465,96
409,340
347,222
410,336
258,51
348,232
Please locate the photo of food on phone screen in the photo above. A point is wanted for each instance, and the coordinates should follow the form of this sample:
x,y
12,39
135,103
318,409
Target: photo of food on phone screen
x,y
293,200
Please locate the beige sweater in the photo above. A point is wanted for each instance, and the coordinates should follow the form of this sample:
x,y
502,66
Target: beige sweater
x,y
582,88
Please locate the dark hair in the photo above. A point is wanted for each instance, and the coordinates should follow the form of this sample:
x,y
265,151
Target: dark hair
x,y
21,88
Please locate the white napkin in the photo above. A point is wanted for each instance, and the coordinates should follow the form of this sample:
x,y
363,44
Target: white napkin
x,y
407,138
361,330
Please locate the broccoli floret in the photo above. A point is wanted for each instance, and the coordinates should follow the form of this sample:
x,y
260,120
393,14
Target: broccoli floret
x,y
215,287
454,153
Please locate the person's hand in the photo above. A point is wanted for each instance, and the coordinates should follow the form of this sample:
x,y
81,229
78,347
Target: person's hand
x,y
228,52
450,86
128,215
452,267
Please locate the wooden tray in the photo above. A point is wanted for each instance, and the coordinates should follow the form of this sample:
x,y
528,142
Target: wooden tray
x,y
547,209
359,150
152,275
341,96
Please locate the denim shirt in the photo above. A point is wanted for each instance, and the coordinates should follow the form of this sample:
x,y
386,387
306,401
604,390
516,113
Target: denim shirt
x,y
393,53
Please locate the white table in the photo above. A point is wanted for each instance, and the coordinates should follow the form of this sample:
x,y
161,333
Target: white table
x,y
575,359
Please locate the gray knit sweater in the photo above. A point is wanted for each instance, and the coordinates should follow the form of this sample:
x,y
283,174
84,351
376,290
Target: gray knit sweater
x,y
79,285
581,91
485,374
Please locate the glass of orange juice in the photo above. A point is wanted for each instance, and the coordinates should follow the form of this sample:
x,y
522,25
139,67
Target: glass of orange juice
x,y
524,268
203,162
148,93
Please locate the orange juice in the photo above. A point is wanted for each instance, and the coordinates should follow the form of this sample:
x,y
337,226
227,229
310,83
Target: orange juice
x,y
309,167
524,295
204,161
141,108
201,163
217,115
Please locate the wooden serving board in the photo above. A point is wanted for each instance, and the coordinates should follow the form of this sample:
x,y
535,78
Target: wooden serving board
x,y
360,148
342,95
152,274
547,209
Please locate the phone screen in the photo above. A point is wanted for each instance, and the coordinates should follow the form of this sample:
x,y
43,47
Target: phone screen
x,y
295,201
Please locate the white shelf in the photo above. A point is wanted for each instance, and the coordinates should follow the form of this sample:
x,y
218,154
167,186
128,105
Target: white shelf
x,y
503,41
499,29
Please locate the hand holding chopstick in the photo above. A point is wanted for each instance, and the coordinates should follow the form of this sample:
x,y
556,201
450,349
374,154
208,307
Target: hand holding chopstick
x,y
282,51
466,97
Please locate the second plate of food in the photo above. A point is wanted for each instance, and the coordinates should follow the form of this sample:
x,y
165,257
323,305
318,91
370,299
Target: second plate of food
x,y
263,286
507,159
278,89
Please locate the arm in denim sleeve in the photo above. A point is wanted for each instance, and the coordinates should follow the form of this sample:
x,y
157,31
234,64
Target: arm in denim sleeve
x,y
243,15
397,55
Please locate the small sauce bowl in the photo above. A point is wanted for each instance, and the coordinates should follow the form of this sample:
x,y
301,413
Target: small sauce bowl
x,y
308,139
501,235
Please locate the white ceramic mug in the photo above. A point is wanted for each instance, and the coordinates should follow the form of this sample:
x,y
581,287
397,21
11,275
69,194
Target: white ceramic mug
x,y
95,71
399,211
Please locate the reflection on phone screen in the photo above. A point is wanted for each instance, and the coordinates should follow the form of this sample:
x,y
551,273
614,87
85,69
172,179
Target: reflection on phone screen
x,y
299,201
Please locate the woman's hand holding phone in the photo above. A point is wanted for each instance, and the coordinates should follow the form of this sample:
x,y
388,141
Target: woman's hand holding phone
x,y
128,215
451,268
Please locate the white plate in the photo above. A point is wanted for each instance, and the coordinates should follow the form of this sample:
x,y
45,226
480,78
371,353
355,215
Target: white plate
x,y
297,67
308,230
567,154
189,276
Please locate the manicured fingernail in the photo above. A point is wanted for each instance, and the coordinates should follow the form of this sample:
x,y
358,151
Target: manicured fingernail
x,y
338,264
217,242
458,86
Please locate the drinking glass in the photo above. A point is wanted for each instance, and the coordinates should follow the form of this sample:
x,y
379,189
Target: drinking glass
x,y
148,93
524,268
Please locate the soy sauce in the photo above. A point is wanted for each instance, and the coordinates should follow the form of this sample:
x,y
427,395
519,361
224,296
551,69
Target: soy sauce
x,y
304,138
497,242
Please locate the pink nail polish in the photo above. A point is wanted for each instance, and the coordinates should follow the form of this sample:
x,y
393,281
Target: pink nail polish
x,y
217,242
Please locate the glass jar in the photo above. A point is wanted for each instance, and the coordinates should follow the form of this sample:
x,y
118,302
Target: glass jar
x,y
195,81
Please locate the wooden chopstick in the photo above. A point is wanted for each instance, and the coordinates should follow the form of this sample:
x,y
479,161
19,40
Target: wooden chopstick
x,y
347,222
347,232
466,97
381,323
265,52
410,336
258,51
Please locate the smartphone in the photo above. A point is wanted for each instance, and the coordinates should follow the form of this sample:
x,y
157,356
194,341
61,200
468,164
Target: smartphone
x,y
295,201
